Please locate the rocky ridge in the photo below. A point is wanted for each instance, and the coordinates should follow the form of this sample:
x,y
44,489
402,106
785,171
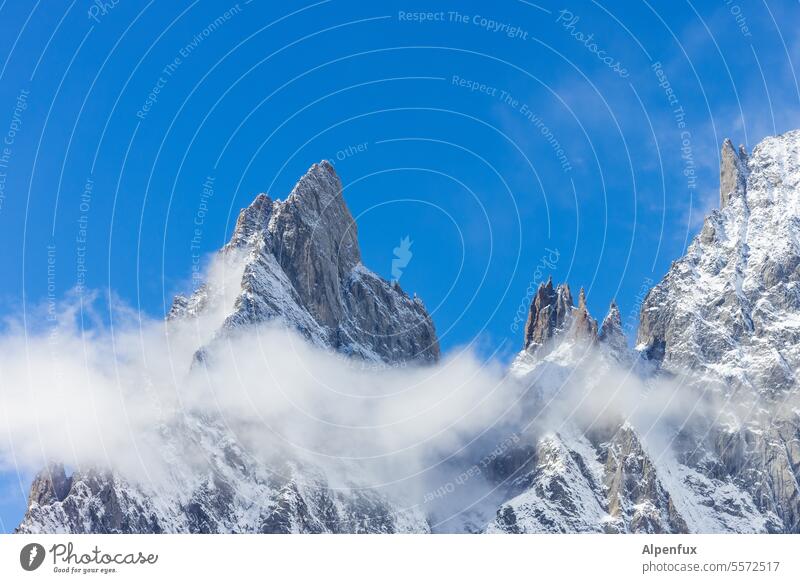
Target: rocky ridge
x,y
296,262
725,321
302,267
721,330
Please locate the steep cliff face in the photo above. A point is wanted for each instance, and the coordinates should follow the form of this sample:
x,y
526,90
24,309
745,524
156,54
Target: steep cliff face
x,y
724,323
719,336
730,307
552,312
296,262
212,485
303,268
729,310
611,333
732,173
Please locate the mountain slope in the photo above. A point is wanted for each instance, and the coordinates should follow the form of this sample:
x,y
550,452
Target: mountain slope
x,y
723,329
296,262
302,266
697,429
731,306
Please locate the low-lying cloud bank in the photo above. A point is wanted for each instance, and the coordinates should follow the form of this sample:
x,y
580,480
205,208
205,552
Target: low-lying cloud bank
x,y
116,397
110,396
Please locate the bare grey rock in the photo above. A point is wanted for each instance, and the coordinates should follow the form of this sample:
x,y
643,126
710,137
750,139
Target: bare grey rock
x,y
637,500
732,173
583,325
51,485
304,268
611,332
552,312
301,266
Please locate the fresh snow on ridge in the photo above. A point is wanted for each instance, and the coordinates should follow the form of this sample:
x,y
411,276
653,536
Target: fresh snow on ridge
x,y
697,430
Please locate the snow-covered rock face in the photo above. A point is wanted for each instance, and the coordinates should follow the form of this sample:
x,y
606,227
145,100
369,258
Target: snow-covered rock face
x,y
303,267
731,306
728,315
696,431
232,493
553,311
588,468
297,262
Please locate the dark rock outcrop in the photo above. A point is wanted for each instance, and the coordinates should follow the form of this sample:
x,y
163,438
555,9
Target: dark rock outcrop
x,y
583,326
732,173
552,312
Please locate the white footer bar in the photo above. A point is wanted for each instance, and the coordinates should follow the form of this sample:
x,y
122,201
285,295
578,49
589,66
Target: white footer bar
x,y
380,558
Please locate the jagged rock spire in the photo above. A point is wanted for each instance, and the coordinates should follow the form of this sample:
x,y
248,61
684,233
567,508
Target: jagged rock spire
x,y
732,172
303,267
553,311
50,485
252,219
611,332
550,309
315,240
584,325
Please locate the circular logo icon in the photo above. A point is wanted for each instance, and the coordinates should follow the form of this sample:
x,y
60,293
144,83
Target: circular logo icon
x,y
31,556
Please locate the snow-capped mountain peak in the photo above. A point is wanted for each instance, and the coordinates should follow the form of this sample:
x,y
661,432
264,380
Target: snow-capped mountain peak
x,y
725,318
295,262
694,432
730,306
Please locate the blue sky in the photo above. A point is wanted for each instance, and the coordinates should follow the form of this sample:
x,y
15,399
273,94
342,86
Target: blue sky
x,y
508,140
